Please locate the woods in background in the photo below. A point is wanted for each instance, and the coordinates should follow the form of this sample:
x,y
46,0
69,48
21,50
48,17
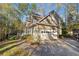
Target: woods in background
x,y
12,15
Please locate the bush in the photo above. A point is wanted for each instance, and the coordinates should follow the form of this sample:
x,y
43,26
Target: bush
x,y
35,43
64,32
29,38
60,36
24,37
12,38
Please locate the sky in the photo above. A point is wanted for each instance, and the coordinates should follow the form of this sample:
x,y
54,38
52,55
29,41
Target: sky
x,y
47,7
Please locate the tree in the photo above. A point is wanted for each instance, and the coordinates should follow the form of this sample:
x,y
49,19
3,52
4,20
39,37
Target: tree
x,y
58,6
10,21
72,16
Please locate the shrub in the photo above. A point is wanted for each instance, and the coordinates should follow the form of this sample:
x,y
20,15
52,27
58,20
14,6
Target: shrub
x,y
28,38
13,37
60,36
64,32
35,43
25,36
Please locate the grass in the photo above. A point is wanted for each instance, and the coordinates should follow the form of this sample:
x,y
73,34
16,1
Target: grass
x,y
8,43
10,46
11,40
16,51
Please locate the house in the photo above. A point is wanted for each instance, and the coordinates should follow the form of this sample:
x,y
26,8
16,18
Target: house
x,y
44,28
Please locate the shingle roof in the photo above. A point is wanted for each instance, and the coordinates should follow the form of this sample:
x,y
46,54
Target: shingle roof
x,y
41,18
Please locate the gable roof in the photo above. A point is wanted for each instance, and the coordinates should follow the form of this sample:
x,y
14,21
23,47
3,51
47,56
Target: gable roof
x,y
41,20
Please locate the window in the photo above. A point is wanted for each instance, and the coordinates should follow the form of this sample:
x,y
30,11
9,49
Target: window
x,y
45,32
